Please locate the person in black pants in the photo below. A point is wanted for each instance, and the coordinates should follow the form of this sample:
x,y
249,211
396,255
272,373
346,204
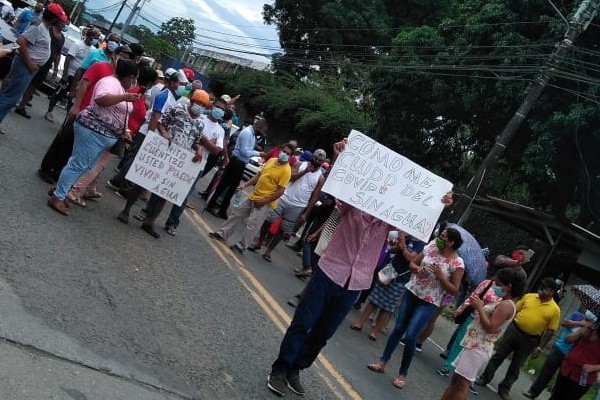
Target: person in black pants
x,y
232,175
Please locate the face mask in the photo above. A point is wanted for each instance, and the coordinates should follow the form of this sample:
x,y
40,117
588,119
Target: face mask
x,y
217,113
133,84
440,243
197,109
112,46
65,29
590,316
283,157
180,91
94,42
499,291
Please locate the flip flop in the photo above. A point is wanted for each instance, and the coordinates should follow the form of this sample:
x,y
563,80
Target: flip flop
x,y
399,381
377,367
372,337
267,257
171,230
355,328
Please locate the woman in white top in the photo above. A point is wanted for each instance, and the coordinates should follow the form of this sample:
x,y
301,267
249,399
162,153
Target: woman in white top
x,y
487,327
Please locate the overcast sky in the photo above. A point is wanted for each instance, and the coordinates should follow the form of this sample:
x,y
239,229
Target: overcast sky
x,y
235,24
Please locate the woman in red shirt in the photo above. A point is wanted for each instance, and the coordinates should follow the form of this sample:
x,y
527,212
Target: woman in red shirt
x,y
579,369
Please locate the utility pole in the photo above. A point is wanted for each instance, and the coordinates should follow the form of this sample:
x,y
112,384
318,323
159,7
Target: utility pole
x,y
114,21
134,10
577,25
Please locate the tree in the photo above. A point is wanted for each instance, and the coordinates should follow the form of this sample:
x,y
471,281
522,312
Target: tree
x,y
446,90
178,31
141,33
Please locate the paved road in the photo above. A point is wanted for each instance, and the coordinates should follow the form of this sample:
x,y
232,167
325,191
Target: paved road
x,y
108,305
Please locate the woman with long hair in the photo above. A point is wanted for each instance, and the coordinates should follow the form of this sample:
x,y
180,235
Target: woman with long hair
x,y
488,325
437,270
97,128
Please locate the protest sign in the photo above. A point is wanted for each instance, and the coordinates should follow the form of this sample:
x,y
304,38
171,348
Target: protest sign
x,y
387,185
167,171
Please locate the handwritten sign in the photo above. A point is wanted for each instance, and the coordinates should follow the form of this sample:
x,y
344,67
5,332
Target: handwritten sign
x,y
167,171
388,186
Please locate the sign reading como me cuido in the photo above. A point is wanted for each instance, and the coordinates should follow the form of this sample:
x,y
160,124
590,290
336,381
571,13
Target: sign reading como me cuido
x,y
388,186
167,171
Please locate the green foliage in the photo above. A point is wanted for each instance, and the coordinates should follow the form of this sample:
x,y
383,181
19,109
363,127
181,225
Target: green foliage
x,y
156,47
178,31
315,116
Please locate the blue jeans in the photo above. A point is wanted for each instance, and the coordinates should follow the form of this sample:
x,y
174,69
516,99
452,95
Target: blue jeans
x,y
176,210
87,150
413,315
321,311
17,80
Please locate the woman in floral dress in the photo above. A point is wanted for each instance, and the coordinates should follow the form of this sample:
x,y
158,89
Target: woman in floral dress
x,y
437,270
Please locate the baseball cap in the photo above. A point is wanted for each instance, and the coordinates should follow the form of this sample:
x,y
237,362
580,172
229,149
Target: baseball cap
x,y
58,12
320,154
122,49
306,156
201,96
189,73
174,75
159,73
226,98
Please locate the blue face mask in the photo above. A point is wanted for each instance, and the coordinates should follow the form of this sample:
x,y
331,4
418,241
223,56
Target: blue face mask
x,y
590,316
180,91
94,42
217,113
283,157
499,291
112,46
197,109
65,28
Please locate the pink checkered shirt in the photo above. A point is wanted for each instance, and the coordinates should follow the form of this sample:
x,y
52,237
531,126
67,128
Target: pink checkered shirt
x,y
351,256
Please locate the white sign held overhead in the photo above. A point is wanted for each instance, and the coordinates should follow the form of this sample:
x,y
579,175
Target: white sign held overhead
x,y
388,186
167,171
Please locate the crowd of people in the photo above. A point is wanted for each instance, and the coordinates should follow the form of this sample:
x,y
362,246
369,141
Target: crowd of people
x,y
351,258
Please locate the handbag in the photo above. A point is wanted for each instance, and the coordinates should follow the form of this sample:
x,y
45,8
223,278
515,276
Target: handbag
x,y
462,317
387,274
122,144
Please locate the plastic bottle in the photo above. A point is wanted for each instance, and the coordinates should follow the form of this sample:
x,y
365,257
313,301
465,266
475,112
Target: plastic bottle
x,y
583,378
237,199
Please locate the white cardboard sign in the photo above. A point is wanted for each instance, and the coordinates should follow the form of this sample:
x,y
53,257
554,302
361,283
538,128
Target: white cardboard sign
x,y
167,171
387,185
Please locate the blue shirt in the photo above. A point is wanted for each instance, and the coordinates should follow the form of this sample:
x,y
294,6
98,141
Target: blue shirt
x,y
563,346
244,146
25,17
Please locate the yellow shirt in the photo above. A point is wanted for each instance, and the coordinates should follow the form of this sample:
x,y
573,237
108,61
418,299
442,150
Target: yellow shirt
x,y
534,317
272,177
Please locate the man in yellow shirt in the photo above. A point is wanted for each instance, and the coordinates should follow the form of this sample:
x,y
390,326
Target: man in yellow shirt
x,y
270,183
538,316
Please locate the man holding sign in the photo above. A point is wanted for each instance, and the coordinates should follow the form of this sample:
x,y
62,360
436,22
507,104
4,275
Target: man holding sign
x,y
347,264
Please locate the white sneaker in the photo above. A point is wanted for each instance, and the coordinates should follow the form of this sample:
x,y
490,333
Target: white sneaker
x,y
48,116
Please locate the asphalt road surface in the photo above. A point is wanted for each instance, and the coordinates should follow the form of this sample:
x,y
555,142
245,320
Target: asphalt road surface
x,y
182,315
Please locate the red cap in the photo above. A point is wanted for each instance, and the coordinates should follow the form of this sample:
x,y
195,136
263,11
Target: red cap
x,y
189,74
58,12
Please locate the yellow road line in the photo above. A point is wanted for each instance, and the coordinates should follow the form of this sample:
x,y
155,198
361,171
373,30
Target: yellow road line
x,y
274,311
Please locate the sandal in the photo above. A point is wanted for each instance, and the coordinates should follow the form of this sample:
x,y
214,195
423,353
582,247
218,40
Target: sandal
x,y
372,337
171,230
267,257
355,328
378,366
141,216
77,200
399,381
253,249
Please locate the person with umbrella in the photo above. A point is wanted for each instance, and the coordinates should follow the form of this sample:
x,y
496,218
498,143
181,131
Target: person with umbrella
x,y
538,316
437,270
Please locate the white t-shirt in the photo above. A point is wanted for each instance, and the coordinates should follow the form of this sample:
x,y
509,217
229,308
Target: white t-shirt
x,y
298,192
214,132
78,51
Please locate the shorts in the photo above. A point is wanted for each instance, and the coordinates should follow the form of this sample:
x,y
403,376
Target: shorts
x,y
289,214
469,361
